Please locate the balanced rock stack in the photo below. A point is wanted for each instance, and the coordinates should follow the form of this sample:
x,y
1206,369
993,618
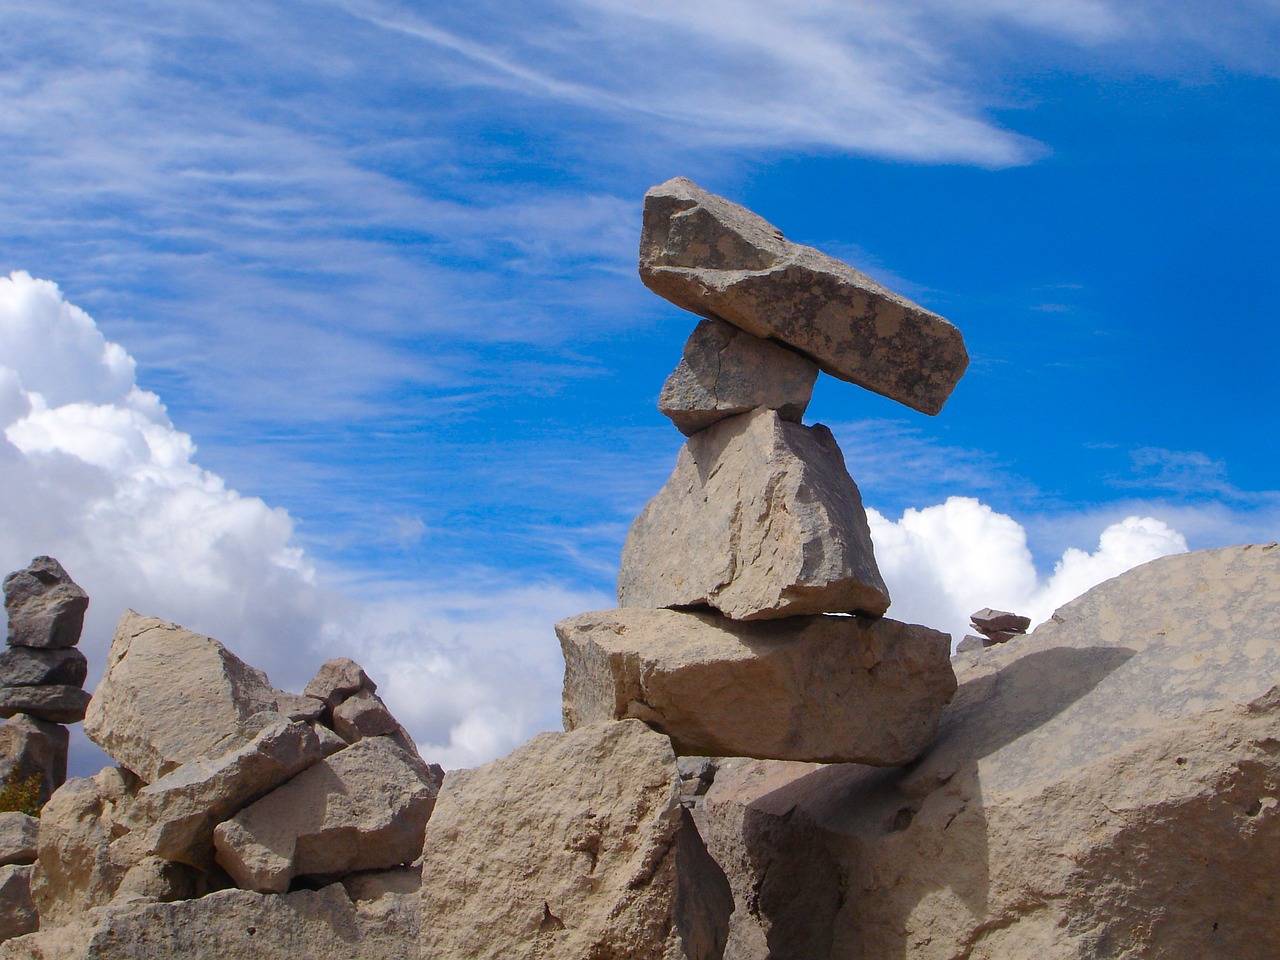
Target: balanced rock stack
x,y
995,627
42,673
751,607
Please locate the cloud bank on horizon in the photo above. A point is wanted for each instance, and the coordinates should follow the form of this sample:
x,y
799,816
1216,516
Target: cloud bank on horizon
x,y
98,475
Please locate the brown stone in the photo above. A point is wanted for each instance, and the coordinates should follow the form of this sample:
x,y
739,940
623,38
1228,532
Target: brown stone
x,y
338,679
720,260
18,914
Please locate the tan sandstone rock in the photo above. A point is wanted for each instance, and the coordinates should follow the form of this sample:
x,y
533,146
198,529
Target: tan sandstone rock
x,y
718,259
364,808
169,696
805,688
574,846
17,910
34,748
726,371
338,679
17,838
1106,787
304,925
760,519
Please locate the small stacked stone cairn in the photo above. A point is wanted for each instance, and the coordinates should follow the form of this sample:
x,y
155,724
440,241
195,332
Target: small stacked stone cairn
x,y
751,607
42,673
996,626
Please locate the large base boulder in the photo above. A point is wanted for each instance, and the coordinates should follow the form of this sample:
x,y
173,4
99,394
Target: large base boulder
x,y
718,259
760,519
575,845
805,688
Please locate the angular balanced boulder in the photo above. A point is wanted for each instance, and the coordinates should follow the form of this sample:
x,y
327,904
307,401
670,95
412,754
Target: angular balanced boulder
x,y
1108,786
32,667
998,626
575,845
827,688
726,371
45,606
760,519
363,808
169,696
338,679
720,260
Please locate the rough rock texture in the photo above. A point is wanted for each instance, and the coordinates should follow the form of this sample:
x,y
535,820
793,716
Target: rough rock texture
x,y
17,838
30,667
718,259
972,644
169,696
338,679
60,704
45,606
807,688
1106,787
759,519
364,808
573,846
726,371
82,856
17,910
179,811
363,714
304,925
785,881
991,622
31,747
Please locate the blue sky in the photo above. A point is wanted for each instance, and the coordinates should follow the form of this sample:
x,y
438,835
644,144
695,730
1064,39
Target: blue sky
x,y
377,261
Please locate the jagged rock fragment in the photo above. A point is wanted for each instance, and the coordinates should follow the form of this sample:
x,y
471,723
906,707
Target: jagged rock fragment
x,y
364,808
338,679
363,714
60,704
832,689
45,606
179,811
575,845
31,748
990,622
17,910
720,260
726,371
760,519
17,838
32,667
169,696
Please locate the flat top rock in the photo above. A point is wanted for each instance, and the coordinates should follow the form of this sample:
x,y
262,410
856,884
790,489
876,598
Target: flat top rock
x,y
717,259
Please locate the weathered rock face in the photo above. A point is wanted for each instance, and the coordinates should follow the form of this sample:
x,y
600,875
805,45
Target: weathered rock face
x,y
17,838
338,679
364,808
760,519
45,606
1104,787
811,688
179,811
571,847
169,696
718,259
31,667
31,747
304,925
17,910
60,704
726,371
363,714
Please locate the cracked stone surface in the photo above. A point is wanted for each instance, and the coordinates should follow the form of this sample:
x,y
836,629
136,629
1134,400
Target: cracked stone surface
x,y
835,689
45,606
717,259
575,845
760,519
726,371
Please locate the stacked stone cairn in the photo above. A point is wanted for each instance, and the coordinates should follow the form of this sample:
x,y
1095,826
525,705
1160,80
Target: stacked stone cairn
x,y
995,627
751,610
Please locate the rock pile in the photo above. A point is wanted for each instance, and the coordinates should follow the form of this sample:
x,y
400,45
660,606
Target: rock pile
x,y
734,634
42,674
996,626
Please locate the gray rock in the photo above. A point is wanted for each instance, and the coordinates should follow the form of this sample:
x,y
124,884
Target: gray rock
x,y
832,689
338,679
364,808
720,260
299,707
169,696
363,714
179,811
18,914
34,748
573,846
992,622
45,606
61,704
726,371
32,667
760,519
17,838
972,644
